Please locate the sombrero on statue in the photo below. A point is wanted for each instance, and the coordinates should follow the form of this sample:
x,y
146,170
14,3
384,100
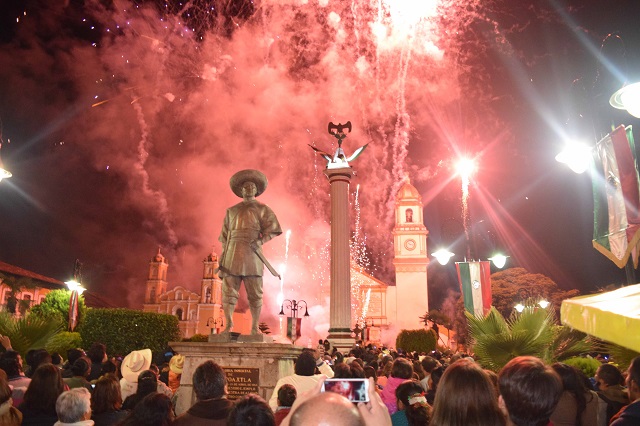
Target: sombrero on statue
x,y
251,175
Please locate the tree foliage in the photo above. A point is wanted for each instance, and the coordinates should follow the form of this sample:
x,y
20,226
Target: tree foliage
x,y
264,328
508,287
436,316
125,330
56,306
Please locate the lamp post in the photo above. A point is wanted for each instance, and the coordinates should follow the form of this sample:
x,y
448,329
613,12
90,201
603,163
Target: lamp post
x,y
530,298
4,173
215,324
293,322
75,286
443,256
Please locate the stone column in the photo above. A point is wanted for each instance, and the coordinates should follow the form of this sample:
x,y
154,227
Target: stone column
x,y
340,302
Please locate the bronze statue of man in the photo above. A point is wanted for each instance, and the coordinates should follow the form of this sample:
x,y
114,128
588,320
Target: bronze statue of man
x,y
247,226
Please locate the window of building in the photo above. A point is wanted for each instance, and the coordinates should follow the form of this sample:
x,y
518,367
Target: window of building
x,y
179,314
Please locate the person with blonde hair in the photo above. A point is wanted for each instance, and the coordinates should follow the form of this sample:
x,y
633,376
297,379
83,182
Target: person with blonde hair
x,y
466,397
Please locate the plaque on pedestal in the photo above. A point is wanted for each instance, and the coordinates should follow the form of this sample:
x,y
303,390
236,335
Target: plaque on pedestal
x,y
252,367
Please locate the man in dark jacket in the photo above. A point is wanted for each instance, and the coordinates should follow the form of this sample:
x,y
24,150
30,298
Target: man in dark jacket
x,y
212,407
630,415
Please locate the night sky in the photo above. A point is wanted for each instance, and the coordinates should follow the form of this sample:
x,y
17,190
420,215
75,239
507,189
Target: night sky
x,y
123,121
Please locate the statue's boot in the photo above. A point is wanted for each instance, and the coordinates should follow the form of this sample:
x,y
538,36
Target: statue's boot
x,y
228,317
255,319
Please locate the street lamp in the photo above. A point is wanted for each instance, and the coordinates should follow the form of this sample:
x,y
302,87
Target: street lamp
x,y
443,256
4,173
213,322
293,322
76,289
530,299
627,98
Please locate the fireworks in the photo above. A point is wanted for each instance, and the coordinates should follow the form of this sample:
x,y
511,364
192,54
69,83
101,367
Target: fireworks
x,y
250,86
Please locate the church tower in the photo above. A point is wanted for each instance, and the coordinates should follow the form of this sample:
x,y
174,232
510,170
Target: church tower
x,y
157,279
411,259
210,315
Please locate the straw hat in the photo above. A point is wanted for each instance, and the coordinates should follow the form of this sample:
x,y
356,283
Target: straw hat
x,y
134,364
176,364
251,175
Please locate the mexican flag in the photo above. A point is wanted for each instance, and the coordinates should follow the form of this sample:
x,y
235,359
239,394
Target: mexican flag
x,y
475,283
294,328
616,197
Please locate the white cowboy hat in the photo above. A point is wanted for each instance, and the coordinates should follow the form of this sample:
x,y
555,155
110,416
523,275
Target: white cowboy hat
x,y
251,175
176,364
134,364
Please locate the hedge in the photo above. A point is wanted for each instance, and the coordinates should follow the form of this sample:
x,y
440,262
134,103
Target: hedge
x,y
125,330
416,340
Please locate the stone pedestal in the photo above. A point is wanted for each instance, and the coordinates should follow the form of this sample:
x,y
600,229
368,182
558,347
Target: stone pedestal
x,y
246,363
340,301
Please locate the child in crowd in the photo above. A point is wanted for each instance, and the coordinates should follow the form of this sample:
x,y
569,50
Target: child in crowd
x,y
413,409
286,396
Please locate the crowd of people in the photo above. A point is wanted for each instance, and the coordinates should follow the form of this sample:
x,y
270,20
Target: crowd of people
x,y
403,389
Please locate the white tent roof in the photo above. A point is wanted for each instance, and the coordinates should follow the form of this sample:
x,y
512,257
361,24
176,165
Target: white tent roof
x,y
613,316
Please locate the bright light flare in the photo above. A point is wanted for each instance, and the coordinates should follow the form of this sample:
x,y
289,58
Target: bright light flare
x,y
408,13
499,260
627,98
576,155
74,285
4,174
442,256
543,304
465,168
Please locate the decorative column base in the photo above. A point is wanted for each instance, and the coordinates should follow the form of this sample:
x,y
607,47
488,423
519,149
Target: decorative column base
x,y
341,339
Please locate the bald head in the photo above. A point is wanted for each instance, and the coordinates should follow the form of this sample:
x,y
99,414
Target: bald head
x,y
327,409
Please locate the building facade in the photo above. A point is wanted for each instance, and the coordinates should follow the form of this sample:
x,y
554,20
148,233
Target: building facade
x,y
197,313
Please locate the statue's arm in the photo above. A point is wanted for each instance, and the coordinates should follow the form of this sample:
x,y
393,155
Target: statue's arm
x,y
269,225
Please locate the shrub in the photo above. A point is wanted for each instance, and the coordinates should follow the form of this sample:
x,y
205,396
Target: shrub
x,y
416,340
125,330
55,306
197,338
587,365
64,341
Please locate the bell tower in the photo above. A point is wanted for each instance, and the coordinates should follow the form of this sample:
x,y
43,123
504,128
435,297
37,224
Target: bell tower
x,y
411,259
157,279
210,315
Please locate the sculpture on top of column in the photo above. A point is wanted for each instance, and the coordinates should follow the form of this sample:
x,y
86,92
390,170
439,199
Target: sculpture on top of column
x,y
339,158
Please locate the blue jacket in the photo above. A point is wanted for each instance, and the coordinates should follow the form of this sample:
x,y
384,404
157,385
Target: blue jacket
x,y
629,416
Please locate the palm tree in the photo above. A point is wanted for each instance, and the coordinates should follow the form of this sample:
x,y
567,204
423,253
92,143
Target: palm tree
x,y
495,340
30,332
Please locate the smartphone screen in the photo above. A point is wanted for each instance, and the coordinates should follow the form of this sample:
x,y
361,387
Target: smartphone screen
x,y
355,390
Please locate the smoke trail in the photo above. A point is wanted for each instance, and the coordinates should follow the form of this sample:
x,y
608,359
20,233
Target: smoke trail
x,y
156,195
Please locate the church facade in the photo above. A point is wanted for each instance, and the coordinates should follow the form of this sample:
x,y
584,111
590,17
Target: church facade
x,y
389,308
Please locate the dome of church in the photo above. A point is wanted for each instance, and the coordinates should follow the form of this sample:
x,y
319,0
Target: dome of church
x,y
408,192
212,257
159,257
